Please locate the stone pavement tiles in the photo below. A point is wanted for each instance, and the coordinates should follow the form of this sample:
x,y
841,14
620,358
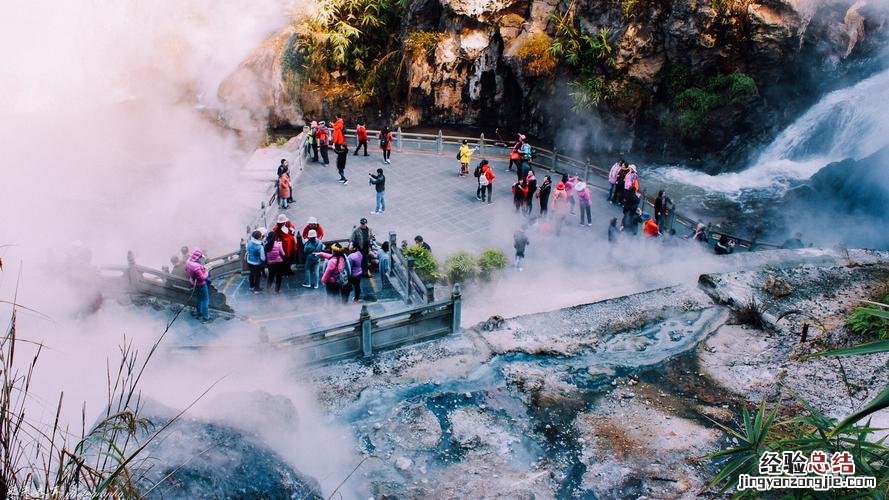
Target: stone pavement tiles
x,y
424,195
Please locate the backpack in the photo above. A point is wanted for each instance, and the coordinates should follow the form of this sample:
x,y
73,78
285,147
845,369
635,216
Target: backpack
x,y
342,279
458,155
478,171
483,179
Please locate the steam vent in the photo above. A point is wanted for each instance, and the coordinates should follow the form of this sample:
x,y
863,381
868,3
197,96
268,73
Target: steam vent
x,y
444,249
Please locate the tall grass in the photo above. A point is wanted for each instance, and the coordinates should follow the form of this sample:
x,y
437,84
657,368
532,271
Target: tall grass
x,y
43,460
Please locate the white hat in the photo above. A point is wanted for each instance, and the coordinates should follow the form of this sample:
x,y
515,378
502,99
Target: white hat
x,y
312,220
580,186
262,230
285,230
313,233
633,168
282,218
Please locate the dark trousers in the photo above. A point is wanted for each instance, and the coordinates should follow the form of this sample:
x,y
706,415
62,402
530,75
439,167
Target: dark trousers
x,y
276,274
387,154
360,144
341,172
324,157
314,151
511,163
333,290
365,259
543,203
485,189
255,276
354,284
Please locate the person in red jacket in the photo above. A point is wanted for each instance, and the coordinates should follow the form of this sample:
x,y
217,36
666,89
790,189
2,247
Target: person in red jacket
x,y
311,224
286,232
323,141
650,228
485,181
519,193
386,144
361,134
339,139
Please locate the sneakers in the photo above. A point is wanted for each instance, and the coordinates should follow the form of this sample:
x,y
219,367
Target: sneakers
x,y
306,285
375,212
479,198
344,182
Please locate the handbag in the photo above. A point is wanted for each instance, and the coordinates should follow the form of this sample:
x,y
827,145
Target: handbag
x,y
514,155
458,155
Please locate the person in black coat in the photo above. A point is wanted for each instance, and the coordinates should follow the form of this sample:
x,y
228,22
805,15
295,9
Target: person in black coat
x,y
543,195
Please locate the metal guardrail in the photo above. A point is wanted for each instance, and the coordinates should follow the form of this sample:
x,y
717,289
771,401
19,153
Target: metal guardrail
x,y
552,161
375,333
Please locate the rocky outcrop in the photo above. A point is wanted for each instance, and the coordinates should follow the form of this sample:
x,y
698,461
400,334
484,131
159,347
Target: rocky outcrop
x,y
257,94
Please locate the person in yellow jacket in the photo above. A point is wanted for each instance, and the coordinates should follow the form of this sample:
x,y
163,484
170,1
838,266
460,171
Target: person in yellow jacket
x,y
465,156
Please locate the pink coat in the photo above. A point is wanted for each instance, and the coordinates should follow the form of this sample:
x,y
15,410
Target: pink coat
x,y
335,265
197,273
284,186
276,254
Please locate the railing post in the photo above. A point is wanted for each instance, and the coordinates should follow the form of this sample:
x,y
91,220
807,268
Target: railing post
x,y
366,338
481,144
131,271
439,143
392,240
430,293
555,163
242,255
455,308
262,208
408,286
672,215
398,140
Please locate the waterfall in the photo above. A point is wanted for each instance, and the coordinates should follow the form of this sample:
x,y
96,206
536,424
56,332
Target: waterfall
x,y
852,122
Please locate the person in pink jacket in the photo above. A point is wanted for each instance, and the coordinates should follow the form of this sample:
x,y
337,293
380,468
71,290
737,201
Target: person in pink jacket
x,y
583,199
336,263
199,276
277,261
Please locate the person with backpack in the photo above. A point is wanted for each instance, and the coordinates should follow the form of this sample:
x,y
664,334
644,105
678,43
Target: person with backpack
x,y
524,163
362,236
336,273
379,183
386,144
277,261
355,264
323,142
255,260
477,174
486,182
199,276
361,137
312,246
544,193
464,156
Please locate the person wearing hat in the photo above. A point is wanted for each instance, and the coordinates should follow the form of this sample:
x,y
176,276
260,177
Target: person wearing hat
x,y
583,199
311,224
199,276
286,232
619,184
631,180
524,162
560,206
515,155
361,237
255,260
311,247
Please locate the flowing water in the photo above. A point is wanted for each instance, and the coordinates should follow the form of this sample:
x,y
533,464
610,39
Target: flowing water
x,y
525,432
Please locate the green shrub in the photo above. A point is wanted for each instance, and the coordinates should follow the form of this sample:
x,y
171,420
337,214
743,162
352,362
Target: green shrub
x,y
587,93
864,321
425,264
491,260
461,267
422,41
281,141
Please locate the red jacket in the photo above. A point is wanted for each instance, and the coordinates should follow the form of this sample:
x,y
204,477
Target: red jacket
x,y
288,241
338,137
361,131
322,136
650,229
488,172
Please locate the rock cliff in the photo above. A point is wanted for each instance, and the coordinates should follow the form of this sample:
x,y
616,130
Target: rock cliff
x,y
667,83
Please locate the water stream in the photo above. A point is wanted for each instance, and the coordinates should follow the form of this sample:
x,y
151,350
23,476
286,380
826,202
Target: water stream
x,y
522,426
